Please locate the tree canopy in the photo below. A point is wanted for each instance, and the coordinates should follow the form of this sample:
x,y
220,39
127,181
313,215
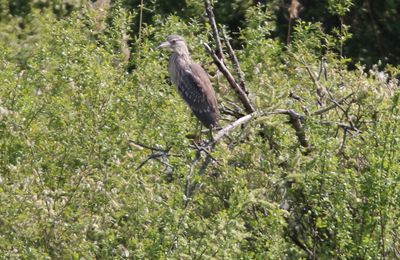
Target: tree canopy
x,y
96,159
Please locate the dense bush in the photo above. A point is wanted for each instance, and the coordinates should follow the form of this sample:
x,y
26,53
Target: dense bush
x,y
96,163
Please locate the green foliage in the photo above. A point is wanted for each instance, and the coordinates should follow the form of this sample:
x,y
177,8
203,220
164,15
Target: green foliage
x,y
95,162
339,7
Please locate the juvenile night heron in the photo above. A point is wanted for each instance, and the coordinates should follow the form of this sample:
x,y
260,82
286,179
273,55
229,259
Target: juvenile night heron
x,y
192,82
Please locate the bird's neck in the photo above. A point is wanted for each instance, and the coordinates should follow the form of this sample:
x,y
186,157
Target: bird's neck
x,y
178,63
182,58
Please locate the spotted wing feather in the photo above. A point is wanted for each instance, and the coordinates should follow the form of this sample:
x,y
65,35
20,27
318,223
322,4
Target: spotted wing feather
x,y
196,89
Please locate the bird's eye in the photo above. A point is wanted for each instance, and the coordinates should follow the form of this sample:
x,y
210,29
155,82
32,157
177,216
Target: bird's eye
x,y
173,41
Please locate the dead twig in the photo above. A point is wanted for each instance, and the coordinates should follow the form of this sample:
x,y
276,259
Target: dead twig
x,y
230,127
156,153
204,149
211,18
205,165
322,70
335,104
231,112
342,125
141,146
298,243
320,89
188,186
236,64
343,145
221,66
296,97
296,120
152,156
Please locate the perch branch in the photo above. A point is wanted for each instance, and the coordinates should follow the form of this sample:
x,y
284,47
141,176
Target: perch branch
x,y
230,127
295,120
221,66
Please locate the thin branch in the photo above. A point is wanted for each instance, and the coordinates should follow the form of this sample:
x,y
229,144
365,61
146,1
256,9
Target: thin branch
x,y
296,120
335,104
342,125
236,64
343,145
221,66
156,153
320,89
204,149
228,111
214,27
152,156
297,242
322,70
204,165
140,20
141,146
295,96
188,186
310,73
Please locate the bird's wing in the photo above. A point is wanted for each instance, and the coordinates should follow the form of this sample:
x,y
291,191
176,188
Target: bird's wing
x,y
195,88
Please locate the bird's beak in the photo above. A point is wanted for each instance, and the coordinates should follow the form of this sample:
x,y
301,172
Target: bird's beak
x,y
164,45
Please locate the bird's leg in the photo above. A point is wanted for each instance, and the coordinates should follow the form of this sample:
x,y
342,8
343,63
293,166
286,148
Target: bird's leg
x,y
210,135
198,131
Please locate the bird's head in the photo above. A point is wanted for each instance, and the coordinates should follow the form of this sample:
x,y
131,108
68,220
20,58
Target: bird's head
x,y
175,43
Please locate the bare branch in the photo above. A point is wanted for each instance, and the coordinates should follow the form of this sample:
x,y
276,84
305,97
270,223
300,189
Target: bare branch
x,y
295,96
221,66
152,156
230,127
295,120
141,146
228,111
157,153
188,186
343,145
214,27
340,124
297,125
204,149
335,104
298,243
235,63
204,165
322,70
320,89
